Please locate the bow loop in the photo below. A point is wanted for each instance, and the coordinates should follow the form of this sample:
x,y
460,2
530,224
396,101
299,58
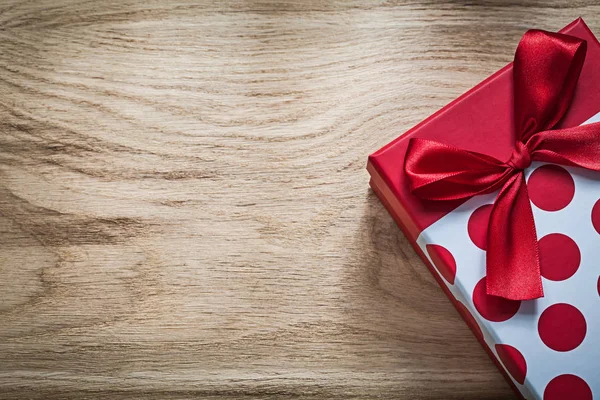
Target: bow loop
x,y
436,171
546,70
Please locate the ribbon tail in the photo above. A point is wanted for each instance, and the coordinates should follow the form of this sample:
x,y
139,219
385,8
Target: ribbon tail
x,y
513,267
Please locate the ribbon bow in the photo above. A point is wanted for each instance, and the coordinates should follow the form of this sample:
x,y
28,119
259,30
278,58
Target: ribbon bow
x,y
545,72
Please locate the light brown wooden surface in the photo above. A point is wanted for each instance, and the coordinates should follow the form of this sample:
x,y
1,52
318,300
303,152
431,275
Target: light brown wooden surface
x,y
184,210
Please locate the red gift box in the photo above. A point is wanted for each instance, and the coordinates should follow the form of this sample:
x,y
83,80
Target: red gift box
x,y
481,120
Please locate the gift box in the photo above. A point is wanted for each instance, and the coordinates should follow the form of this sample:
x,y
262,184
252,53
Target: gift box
x,y
548,347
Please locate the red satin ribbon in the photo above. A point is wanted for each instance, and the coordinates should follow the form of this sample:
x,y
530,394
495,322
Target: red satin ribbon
x,y
546,69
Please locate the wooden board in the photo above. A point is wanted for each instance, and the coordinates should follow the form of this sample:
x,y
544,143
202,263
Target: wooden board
x,y
184,210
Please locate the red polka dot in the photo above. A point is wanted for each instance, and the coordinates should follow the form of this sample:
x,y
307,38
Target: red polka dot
x,y
443,261
596,216
562,327
598,286
559,257
478,226
468,317
551,187
569,387
513,360
493,308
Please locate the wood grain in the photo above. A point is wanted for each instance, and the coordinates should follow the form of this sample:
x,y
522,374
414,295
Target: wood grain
x,y
184,210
